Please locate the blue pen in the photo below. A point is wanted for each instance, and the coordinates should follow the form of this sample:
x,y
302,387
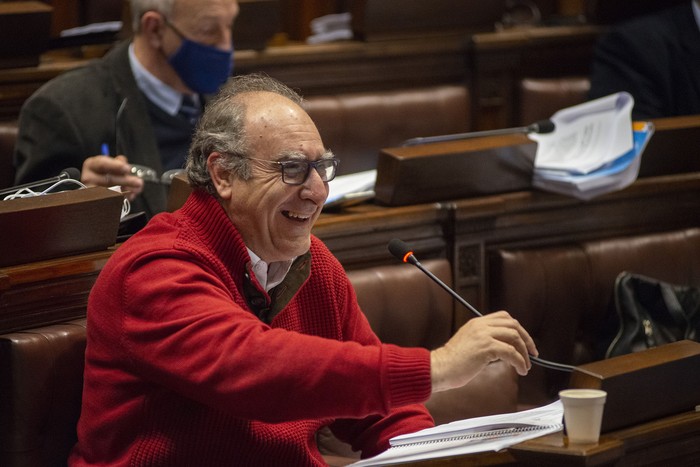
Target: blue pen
x,y
105,149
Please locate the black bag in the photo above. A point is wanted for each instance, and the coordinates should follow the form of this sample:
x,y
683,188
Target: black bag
x,y
651,313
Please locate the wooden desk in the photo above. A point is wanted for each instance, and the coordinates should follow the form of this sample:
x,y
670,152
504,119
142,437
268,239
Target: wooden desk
x,y
671,441
668,441
464,231
491,64
52,291
359,236
358,66
312,69
48,292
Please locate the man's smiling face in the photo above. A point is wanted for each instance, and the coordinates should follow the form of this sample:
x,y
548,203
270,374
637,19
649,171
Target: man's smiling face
x,y
274,218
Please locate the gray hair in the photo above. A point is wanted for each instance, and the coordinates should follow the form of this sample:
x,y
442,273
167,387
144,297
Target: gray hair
x,y
140,7
222,129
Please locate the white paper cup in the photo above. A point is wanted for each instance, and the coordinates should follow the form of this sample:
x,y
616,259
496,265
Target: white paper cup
x,y
583,414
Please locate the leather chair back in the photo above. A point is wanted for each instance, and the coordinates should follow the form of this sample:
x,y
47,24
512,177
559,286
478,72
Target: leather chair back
x,y
541,97
563,294
41,381
406,308
355,126
403,306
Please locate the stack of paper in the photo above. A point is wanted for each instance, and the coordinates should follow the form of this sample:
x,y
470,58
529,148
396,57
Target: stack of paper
x,y
595,148
329,28
481,434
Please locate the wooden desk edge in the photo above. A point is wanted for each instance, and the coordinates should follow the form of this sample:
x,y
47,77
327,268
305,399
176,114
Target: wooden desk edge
x,y
59,267
554,449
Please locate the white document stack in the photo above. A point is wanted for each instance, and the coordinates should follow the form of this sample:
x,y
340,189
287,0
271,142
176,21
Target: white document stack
x,y
594,149
480,434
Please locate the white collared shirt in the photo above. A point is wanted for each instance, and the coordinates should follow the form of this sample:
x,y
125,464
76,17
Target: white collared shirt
x,y
165,97
270,275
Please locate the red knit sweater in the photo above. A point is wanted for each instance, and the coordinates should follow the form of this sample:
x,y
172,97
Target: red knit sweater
x,y
179,371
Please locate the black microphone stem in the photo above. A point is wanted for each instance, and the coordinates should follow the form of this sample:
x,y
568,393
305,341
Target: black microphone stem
x,y
67,174
458,136
437,280
542,126
410,258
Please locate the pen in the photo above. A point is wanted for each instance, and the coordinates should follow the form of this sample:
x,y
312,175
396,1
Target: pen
x,y
105,149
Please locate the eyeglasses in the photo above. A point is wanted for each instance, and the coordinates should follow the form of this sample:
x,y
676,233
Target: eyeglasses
x,y
175,29
295,172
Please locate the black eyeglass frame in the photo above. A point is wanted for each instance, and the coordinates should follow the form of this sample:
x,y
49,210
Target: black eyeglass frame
x,y
316,165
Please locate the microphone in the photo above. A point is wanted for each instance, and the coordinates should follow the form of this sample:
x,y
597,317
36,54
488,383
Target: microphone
x,y
541,127
400,250
71,173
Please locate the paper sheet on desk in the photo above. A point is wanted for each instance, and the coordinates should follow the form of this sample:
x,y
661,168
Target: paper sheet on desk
x,y
344,188
612,176
93,28
587,136
469,436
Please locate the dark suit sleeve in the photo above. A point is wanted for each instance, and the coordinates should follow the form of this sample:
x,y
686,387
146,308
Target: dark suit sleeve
x,y
47,141
626,61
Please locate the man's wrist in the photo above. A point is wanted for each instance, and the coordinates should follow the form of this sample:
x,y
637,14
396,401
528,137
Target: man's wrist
x,y
437,370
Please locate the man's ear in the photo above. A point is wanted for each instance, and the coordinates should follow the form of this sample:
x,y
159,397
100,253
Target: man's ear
x,y
220,177
152,27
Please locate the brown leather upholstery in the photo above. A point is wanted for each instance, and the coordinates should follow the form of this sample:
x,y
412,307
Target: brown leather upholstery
x,y
8,136
562,294
541,97
355,126
405,307
40,390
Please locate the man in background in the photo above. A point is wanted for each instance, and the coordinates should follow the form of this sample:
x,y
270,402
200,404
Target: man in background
x,y
656,58
137,105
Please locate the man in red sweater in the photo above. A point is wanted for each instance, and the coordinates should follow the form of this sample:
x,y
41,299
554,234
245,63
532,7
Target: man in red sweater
x,y
226,334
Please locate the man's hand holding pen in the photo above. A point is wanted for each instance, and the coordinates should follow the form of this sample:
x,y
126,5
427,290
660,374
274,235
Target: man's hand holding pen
x,y
107,171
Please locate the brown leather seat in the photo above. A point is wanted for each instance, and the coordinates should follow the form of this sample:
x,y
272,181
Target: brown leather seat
x,y
562,294
41,381
355,126
405,307
8,136
541,97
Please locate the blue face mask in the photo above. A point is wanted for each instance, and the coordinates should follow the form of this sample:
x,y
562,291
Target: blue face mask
x,y
202,68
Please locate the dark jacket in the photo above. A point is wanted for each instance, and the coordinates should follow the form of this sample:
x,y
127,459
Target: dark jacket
x,y
656,58
69,119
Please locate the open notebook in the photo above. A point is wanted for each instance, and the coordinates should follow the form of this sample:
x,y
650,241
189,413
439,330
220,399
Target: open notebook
x,y
481,434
